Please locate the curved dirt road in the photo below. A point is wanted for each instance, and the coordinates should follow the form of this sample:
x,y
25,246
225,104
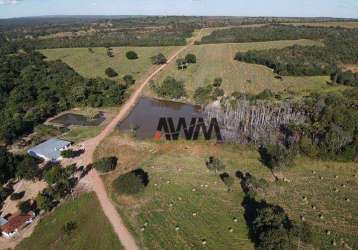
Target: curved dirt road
x,y
94,180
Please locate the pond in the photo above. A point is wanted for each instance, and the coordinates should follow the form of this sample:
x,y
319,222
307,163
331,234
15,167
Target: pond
x,y
69,119
144,118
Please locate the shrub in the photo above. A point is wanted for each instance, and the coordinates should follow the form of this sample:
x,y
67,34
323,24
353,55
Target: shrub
x,y
106,164
190,58
69,227
17,196
276,156
159,59
131,183
131,55
217,92
111,72
217,82
128,80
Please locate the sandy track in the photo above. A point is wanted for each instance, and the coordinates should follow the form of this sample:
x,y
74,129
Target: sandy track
x,y
94,179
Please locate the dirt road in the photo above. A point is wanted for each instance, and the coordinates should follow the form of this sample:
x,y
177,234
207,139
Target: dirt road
x,y
94,180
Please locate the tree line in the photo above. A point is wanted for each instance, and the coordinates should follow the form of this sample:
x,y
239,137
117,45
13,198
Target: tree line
x,y
32,90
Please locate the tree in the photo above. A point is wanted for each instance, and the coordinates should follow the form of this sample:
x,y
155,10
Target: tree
x,y
7,166
27,168
17,196
159,59
217,92
131,55
106,164
111,72
190,58
228,180
131,183
202,95
171,88
276,156
45,200
69,153
181,64
55,174
128,80
217,82
25,206
214,164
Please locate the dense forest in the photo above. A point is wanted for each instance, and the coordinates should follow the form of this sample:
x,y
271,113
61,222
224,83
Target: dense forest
x,y
341,47
31,90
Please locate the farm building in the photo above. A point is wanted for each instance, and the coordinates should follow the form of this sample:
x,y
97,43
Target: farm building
x,y
49,150
15,223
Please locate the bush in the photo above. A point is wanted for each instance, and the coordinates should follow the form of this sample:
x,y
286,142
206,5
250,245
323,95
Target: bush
x,y
128,80
190,58
131,55
17,196
217,92
276,156
159,59
111,72
106,164
131,183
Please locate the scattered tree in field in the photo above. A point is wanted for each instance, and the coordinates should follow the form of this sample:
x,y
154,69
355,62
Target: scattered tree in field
x,y
217,82
111,72
190,58
159,59
69,227
109,52
181,64
131,55
90,50
276,156
228,180
131,183
27,168
171,88
128,80
106,164
214,164
17,196
25,206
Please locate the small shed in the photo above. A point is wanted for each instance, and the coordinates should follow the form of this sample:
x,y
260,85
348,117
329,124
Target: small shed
x,y
50,150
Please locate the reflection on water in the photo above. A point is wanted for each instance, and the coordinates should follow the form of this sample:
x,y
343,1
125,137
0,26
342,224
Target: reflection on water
x,y
145,116
69,119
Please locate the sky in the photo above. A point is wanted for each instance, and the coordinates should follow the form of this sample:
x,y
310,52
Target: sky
x,y
304,8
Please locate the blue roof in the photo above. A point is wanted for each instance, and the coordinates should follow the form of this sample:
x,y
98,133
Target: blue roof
x,y
49,149
3,221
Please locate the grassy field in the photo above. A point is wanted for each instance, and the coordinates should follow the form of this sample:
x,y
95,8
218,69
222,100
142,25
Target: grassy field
x,y
94,64
180,185
217,60
93,229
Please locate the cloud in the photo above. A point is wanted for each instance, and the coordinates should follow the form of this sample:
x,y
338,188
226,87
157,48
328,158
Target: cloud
x,y
3,2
